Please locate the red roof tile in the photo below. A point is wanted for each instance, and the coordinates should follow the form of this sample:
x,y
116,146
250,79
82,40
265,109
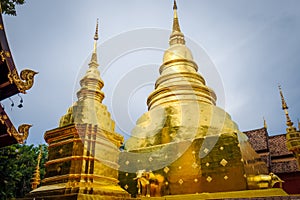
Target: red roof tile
x,y
258,139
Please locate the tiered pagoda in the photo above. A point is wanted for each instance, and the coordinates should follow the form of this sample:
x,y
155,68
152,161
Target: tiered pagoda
x,y
83,151
185,138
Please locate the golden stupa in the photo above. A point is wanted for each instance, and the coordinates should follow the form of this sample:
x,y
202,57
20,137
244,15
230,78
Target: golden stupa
x,y
83,151
184,143
184,147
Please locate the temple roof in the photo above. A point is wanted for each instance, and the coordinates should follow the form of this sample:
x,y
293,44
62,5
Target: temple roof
x,y
277,145
10,84
258,139
273,150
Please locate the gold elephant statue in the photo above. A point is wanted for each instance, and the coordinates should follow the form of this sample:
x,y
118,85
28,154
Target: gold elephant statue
x,y
149,184
262,181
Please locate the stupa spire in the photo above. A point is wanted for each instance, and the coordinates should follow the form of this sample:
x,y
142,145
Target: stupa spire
x,y
176,26
289,123
96,37
94,62
265,123
36,179
177,36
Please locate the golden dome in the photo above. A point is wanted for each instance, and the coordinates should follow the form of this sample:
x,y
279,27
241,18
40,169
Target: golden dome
x,y
176,52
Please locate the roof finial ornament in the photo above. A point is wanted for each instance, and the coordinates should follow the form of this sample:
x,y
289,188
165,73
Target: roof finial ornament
x,y
298,124
289,123
265,123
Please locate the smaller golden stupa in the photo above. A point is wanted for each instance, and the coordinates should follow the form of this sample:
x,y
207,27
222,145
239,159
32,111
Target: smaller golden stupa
x,y
84,149
292,135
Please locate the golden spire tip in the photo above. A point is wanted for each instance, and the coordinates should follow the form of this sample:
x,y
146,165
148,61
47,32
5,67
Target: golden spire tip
x,y
284,105
96,32
289,123
175,5
265,123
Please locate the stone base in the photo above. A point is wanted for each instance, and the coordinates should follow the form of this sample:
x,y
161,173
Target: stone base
x,y
59,191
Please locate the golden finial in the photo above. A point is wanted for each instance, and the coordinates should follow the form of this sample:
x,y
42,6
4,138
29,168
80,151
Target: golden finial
x,y
298,124
289,123
96,32
176,26
96,37
176,37
35,181
265,123
175,5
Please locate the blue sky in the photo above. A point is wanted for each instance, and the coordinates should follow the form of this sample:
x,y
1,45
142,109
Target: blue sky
x,y
254,46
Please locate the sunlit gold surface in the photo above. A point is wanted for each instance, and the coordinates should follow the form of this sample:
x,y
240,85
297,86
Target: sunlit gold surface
x,y
185,137
84,149
292,135
36,179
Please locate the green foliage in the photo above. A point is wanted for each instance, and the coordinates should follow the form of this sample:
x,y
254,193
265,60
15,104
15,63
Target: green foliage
x,y
9,6
17,165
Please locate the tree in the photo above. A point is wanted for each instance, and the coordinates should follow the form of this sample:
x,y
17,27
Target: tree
x,y
9,6
17,165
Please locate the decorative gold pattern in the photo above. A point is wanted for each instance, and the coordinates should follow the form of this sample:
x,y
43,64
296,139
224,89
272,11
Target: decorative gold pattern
x,y
22,133
207,164
221,148
58,169
194,165
195,180
180,181
225,177
209,179
206,150
127,162
2,56
3,118
166,170
223,162
150,159
126,187
1,26
26,81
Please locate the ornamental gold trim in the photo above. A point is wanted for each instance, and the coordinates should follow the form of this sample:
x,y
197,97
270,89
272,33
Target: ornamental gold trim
x,y
22,133
3,118
24,81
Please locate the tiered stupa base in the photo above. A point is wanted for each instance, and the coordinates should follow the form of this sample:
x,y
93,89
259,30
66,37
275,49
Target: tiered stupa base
x,y
61,191
219,163
82,164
